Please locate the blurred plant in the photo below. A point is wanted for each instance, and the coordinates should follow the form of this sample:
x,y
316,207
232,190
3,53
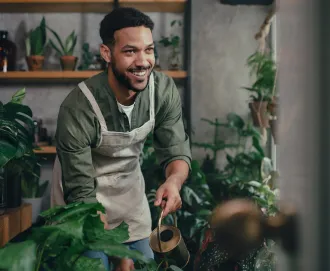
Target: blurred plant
x,y
248,173
36,41
66,48
87,57
263,67
173,42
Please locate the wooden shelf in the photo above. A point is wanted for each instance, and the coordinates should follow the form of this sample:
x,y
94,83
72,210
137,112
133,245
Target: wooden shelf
x,y
40,76
103,6
46,150
15,221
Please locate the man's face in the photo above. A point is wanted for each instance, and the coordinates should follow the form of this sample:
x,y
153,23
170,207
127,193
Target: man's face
x,y
132,57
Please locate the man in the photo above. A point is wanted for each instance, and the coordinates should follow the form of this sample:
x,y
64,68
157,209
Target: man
x,y
102,126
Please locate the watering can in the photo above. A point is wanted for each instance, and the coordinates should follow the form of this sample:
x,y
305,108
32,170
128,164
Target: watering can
x,y
166,241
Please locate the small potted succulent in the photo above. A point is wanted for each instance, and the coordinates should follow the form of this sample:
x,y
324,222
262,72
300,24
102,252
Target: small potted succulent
x,y
35,44
65,50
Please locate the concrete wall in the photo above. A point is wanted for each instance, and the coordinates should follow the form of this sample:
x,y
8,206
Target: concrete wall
x,y
222,40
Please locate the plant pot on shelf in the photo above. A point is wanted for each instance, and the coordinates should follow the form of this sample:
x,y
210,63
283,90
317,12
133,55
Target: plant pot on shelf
x,y
35,63
259,113
36,207
174,60
68,63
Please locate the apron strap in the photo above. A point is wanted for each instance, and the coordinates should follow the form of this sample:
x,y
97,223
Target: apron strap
x,y
94,104
152,96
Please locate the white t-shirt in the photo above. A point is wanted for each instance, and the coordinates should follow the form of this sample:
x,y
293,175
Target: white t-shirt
x,y
127,109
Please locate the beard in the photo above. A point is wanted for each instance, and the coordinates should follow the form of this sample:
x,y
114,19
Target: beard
x,y
124,80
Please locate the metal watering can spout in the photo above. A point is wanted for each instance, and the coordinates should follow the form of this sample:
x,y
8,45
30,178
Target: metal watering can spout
x,y
166,241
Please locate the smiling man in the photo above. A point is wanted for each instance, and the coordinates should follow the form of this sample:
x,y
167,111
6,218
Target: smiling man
x,y
102,126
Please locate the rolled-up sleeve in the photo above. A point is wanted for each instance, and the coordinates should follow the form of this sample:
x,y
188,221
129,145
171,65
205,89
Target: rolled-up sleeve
x,y
75,134
170,139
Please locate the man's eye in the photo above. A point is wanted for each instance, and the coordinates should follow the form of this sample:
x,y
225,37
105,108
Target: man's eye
x,y
129,52
150,50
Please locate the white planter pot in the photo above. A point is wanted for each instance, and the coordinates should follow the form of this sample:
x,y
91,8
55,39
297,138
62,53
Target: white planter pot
x,y
36,207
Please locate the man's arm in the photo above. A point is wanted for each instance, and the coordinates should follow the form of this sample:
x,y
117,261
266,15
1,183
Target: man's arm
x,y
172,148
75,134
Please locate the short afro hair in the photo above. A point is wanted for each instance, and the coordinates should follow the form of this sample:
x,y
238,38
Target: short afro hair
x,y
121,18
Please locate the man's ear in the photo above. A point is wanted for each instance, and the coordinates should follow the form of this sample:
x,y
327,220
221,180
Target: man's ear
x,y
105,53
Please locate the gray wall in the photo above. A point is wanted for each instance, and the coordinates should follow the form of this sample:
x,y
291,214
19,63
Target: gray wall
x,y
222,40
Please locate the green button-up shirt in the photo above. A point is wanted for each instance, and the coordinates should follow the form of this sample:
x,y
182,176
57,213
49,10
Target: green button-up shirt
x,y
78,130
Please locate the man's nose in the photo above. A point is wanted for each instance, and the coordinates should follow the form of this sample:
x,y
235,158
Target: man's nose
x,y
142,60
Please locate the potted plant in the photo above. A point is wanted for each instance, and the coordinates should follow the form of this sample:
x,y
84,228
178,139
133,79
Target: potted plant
x,y
173,42
35,45
262,90
16,145
65,50
33,190
62,235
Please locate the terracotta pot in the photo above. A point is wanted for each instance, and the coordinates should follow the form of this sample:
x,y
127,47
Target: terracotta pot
x,y
259,114
35,63
68,63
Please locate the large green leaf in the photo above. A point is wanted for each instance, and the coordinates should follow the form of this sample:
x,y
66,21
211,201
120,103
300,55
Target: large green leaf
x,y
18,256
84,264
77,211
7,152
117,250
52,212
94,230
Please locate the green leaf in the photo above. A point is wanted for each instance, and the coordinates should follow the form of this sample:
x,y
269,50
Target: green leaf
x,y
57,37
235,121
59,52
94,230
19,96
7,152
257,145
84,264
117,250
18,256
52,212
175,268
254,183
78,210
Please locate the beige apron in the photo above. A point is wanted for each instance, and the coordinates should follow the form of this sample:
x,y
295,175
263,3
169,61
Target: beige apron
x,y
120,183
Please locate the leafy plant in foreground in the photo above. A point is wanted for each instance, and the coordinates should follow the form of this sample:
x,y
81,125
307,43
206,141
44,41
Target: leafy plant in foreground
x,y
60,238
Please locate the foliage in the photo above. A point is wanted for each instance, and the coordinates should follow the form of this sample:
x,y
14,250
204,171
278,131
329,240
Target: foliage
x,y
87,57
66,48
30,183
173,40
36,41
264,69
16,133
62,235
248,173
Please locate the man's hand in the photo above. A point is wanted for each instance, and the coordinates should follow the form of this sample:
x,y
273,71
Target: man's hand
x,y
104,219
125,265
170,191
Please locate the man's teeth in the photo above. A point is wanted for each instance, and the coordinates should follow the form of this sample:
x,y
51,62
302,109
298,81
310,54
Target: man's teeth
x,y
142,73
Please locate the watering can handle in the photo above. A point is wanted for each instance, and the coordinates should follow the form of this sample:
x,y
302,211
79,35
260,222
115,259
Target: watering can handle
x,y
160,223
